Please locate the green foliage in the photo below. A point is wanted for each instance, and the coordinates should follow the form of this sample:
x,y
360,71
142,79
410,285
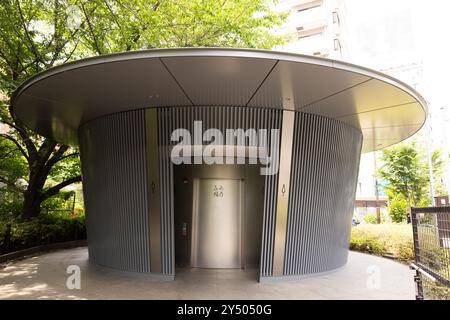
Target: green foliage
x,y
435,290
397,208
44,229
13,167
438,165
372,218
384,239
63,202
111,26
404,172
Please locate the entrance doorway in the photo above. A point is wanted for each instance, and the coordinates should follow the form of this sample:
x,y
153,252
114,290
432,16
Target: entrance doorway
x,y
218,213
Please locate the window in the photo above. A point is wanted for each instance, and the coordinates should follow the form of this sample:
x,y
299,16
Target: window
x,y
337,45
336,17
306,5
310,37
309,8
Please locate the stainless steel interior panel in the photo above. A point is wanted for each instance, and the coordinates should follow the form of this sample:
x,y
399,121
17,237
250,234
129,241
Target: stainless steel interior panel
x,y
252,212
216,234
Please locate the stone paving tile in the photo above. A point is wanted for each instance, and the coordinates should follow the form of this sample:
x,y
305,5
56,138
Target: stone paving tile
x,y
44,277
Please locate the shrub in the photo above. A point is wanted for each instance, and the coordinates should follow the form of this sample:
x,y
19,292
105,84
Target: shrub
x,y
372,218
47,228
381,239
397,209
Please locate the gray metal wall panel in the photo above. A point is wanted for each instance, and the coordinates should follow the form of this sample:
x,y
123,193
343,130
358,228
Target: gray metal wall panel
x,y
270,120
114,184
324,173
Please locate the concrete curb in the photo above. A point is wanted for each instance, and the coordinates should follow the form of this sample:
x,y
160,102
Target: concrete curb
x,y
41,249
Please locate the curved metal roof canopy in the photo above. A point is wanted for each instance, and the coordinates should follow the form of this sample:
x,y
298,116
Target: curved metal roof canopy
x,y
57,101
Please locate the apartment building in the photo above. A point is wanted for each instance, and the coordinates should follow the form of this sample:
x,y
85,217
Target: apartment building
x,y
314,27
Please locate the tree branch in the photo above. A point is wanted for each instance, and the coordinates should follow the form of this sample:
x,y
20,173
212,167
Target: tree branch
x,y
45,151
58,155
5,155
27,34
17,145
55,189
23,135
91,29
66,156
11,185
15,53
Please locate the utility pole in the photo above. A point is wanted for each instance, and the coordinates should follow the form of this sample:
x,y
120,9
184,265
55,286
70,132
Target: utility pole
x,y
376,187
430,162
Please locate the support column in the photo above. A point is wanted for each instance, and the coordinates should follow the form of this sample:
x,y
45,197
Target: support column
x,y
284,175
153,187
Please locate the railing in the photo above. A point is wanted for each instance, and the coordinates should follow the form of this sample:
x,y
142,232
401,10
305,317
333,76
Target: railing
x,y
431,231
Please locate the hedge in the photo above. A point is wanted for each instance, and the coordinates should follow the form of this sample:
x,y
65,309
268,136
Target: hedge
x,y
47,228
384,239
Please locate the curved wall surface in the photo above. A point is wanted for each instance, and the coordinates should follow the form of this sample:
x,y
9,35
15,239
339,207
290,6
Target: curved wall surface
x,y
129,190
113,159
324,173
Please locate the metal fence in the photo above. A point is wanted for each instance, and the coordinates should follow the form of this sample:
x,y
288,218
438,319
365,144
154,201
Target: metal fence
x,y
431,230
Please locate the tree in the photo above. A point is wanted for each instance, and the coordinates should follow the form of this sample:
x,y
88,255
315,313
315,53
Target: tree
x,y
33,36
38,34
438,165
113,26
404,174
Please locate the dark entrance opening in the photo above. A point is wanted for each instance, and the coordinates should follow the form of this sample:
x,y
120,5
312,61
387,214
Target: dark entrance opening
x,y
218,213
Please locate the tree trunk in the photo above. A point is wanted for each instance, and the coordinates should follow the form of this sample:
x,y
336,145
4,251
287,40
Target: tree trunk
x,y
6,240
408,211
31,204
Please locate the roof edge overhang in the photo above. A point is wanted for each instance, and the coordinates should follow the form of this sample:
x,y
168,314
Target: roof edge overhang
x,y
213,52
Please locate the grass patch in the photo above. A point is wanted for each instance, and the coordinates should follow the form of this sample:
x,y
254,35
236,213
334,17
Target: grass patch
x,y
384,239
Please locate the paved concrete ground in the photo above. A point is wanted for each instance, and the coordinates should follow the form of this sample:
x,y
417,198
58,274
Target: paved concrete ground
x,y
44,277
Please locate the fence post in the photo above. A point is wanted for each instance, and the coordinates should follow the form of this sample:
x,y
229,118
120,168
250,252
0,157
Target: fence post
x,y
419,287
417,277
415,235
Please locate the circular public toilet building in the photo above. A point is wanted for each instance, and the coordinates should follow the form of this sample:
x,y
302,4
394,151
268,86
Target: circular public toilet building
x,y
219,158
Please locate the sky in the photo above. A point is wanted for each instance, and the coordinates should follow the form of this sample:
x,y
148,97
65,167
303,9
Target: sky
x,y
386,33
389,33
402,31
